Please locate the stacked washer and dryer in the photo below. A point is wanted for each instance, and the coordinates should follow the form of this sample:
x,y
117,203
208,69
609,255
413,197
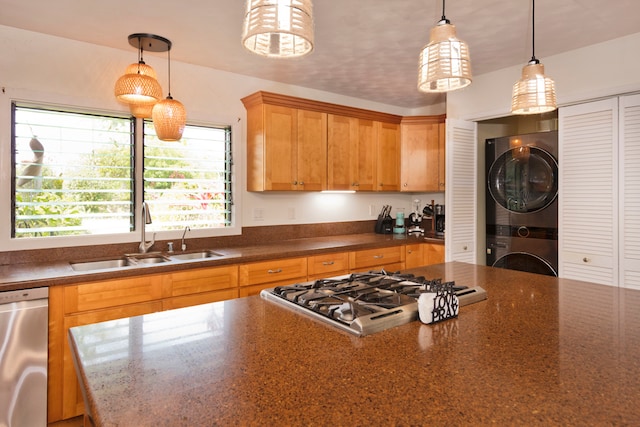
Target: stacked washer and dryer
x,y
522,202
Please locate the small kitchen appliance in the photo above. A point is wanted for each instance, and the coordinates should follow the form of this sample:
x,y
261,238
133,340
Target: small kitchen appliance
x,y
364,303
415,219
439,217
399,225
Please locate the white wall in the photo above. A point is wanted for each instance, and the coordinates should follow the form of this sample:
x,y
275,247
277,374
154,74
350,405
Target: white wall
x,y
40,68
596,71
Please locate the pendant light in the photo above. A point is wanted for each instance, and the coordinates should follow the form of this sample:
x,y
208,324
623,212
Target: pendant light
x,y
534,93
139,87
445,64
278,28
169,116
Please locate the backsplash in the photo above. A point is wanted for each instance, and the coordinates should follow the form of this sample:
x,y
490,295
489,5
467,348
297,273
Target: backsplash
x,y
250,236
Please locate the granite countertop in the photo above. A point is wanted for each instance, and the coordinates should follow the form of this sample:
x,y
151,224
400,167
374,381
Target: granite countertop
x,y
32,275
540,350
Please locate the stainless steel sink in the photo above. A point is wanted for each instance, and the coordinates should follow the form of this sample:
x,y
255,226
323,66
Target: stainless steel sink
x,y
196,255
101,265
125,261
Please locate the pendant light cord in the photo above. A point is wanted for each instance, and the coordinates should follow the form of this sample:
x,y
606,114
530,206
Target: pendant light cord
x,y
169,85
533,31
443,16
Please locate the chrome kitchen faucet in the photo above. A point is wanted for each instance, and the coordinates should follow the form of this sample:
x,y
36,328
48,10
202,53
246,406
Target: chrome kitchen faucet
x,y
146,219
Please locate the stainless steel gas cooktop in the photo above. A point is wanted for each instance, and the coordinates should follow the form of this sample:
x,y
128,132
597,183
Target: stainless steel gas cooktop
x,y
362,303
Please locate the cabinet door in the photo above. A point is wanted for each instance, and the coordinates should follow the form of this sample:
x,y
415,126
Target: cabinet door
x,y
414,255
280,154
364,175
630,191
433,253
342,136
420,155
72,402
311,151
588,192
442,159
388,156
461,195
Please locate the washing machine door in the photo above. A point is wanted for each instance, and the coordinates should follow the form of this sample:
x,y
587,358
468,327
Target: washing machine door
x,y
522,261
524,179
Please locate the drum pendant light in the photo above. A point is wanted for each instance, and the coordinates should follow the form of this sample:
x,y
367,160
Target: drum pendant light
x,y
445,64
534,93
169,116
278,28
139,87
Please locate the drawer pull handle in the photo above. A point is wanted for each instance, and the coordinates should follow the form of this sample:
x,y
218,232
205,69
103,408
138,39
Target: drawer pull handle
x,y
328,263
378,256
279,270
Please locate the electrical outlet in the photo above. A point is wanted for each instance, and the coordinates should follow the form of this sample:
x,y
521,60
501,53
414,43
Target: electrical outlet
x,y
258,214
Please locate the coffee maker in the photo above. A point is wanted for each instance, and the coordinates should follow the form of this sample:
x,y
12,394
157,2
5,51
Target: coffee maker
x,y
439,218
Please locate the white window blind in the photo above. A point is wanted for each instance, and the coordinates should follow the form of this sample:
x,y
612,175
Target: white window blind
x,y
188,183
72,173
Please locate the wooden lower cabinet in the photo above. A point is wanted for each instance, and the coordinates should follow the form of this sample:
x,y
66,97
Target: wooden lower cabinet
x,y
390,259
327,265
419,254
98,301
256,276
202,286
87,303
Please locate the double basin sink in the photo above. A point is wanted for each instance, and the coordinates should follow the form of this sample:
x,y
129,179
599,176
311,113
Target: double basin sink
x,y
132,260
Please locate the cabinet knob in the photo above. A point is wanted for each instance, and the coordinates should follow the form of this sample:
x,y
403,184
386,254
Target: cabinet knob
x,y
585,259
301,182
295,182
406,184
464,248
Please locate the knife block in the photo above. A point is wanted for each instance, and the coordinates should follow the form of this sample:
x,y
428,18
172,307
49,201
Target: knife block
x,y
384,225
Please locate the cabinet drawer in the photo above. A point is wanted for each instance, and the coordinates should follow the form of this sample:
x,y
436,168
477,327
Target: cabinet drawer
x,y
273,271
328,264
203,280
200,298
376,257
114,293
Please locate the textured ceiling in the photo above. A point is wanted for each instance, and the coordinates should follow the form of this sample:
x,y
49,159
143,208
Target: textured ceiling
x,y
363,48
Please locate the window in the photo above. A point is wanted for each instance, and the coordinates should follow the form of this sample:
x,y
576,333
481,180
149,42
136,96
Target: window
x,y
188,183
72,173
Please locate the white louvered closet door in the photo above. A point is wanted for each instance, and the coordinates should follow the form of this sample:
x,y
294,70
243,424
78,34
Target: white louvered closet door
x,y
588,192
461,197
630,191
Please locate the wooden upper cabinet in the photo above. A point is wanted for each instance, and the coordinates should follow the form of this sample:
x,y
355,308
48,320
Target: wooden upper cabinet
x,y
311,151
423,154
388,156
300,144
350,153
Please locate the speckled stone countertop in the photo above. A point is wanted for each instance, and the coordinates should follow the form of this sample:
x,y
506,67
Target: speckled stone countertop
x,y
539,351
50,273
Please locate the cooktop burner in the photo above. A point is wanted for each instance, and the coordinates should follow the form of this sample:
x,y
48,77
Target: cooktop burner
x,y
360,303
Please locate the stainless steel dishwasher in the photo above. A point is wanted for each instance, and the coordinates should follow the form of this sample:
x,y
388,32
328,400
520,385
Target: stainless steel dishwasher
x,y
23,357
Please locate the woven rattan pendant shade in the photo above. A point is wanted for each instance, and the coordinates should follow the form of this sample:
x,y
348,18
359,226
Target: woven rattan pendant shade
x,y
137,88
445,64
142,110
278,28
534,93
169,119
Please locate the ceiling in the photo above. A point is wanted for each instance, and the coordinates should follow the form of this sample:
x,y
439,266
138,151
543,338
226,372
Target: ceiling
x,y
366,49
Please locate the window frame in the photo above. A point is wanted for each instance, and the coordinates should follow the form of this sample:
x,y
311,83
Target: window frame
x,y
9,244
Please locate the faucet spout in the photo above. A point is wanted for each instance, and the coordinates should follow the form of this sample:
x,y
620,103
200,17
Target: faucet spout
x,y
146,219
184,246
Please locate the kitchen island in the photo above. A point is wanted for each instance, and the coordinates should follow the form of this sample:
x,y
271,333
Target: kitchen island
x,y
539,350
